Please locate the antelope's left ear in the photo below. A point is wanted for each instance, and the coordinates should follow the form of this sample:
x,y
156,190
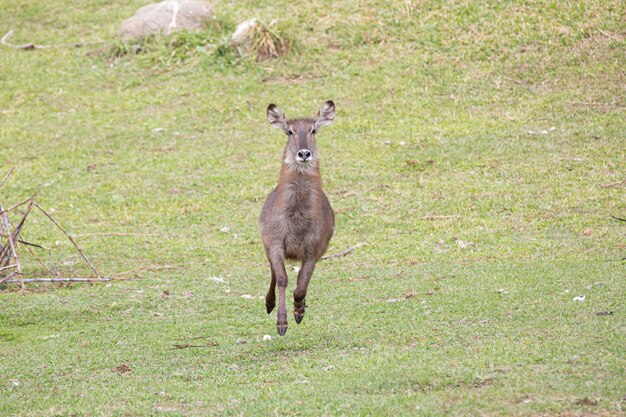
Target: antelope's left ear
x,y
326,115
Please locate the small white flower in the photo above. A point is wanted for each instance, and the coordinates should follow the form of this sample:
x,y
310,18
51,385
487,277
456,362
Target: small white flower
x,y
579,298
267,337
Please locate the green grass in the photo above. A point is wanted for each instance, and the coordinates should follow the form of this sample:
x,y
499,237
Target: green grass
x,y
441,111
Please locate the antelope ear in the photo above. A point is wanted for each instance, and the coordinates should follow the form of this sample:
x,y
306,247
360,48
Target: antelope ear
x,y
326,114
276,117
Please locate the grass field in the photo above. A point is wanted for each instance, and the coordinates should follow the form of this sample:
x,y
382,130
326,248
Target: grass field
x,y
478,151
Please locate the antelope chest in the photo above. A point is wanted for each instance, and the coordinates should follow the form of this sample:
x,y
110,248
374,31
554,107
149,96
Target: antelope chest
x,y
301,217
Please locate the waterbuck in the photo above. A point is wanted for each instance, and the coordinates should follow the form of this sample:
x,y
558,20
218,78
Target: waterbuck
x,y
297,221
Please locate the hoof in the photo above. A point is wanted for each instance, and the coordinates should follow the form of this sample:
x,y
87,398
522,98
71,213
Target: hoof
x,y
269,307
282,329
298,316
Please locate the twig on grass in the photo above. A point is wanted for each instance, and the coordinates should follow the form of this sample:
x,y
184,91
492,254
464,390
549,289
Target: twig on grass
x,y
4,268
18,266
186,345
441,217
590,104
30,45
11,275
618,218
614,184
54,267
18,229
33,244
70,238
14,206
4,255
9,258
147,268
118,234
209,343
7,176
42,263
611,36
58,279
344,253
189,345
513,80
10,240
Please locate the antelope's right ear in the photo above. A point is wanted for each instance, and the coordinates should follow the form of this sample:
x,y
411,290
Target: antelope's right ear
x,y
276,117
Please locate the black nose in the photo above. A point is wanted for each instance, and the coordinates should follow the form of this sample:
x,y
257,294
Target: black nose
x,y
304,154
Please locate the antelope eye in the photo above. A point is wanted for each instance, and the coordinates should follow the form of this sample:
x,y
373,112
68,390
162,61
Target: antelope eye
x,y
314,131
291,132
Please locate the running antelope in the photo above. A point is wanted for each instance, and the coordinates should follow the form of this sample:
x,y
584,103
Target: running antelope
x,y
297,221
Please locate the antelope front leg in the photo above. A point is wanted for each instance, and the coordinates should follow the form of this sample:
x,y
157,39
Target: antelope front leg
x,y
299,295
270,298
277,262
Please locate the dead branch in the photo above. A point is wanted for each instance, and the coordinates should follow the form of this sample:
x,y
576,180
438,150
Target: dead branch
x,y
5,252
54,267
14,206
118,234
16,231
618,218
7,267
344,253
614,184
33,244
590,104
16,258
436,217
518,82
26,244
147,268
19,226
11,275
209,343
7,176
42,263
30,45
70,238
27,280
188,345
9,258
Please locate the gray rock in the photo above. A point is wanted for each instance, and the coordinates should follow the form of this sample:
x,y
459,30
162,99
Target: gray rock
x,y
166,17
243,30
